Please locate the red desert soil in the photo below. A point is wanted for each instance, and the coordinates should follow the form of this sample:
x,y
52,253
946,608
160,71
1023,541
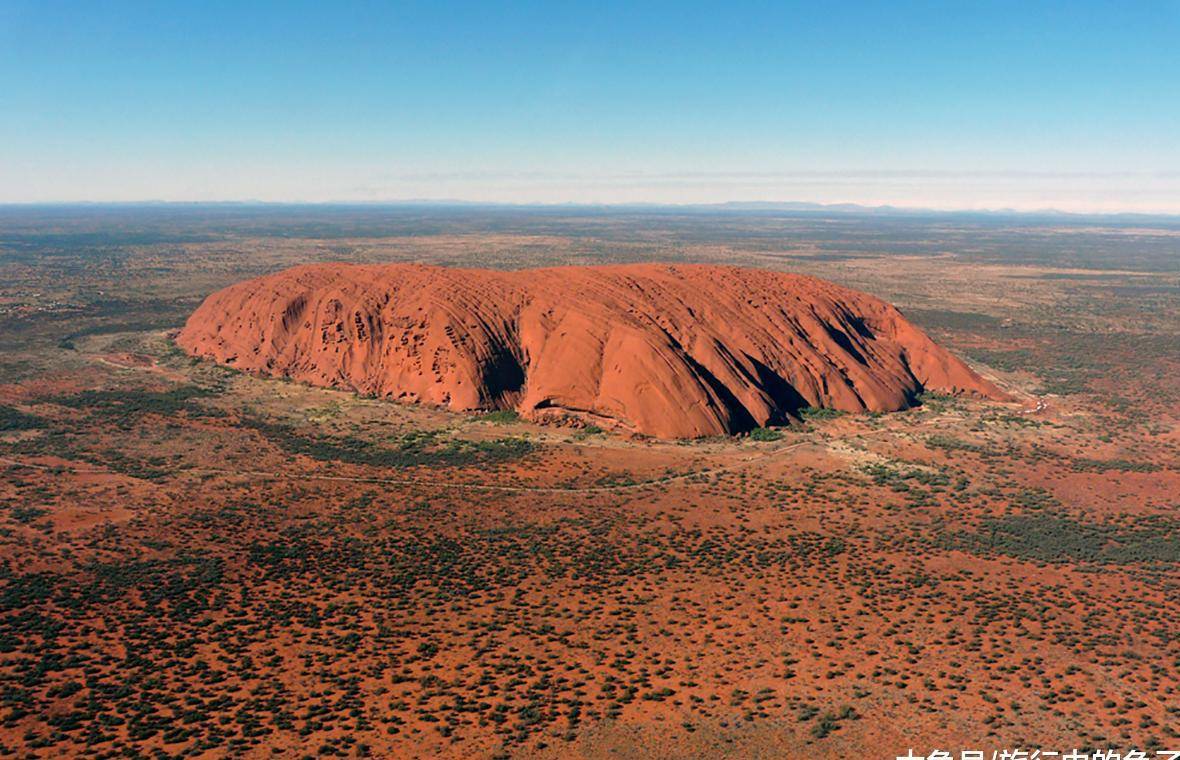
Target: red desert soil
x,y
661,350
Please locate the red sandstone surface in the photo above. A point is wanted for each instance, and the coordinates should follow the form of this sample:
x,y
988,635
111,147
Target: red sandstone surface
x,y
662,350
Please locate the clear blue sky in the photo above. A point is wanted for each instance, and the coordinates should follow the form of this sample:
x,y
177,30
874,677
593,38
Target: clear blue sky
x,y
1073,105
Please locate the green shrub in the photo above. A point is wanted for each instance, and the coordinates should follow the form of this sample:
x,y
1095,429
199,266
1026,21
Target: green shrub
x,y
14,419
819,413
765,434
501,417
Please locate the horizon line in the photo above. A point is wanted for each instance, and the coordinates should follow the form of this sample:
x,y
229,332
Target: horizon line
x,y
842,207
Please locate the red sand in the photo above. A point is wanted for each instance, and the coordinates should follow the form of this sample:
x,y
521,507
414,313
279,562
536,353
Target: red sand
x,y
662,350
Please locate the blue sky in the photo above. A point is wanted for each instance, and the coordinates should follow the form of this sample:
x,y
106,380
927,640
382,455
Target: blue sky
x,y
1071,105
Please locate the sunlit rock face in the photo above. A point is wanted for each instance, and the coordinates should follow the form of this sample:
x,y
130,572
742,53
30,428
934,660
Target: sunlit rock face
x,y
670,351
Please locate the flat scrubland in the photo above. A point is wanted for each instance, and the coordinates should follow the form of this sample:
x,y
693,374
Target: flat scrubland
x,y
198,562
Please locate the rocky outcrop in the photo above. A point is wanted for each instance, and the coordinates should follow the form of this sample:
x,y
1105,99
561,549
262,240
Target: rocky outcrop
x,y
664,350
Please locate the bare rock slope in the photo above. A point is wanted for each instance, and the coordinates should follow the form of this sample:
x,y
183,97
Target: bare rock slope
x,y
664,350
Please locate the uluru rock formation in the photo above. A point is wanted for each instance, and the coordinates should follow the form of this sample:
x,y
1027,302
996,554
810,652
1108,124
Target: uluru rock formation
x,y
671,351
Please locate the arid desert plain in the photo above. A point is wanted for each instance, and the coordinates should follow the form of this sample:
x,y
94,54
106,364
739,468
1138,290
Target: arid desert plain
x,y
205,560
